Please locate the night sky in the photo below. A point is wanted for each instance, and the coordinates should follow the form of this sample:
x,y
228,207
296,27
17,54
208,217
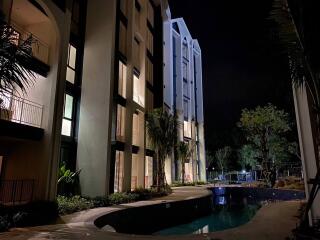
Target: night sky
x,y
242,67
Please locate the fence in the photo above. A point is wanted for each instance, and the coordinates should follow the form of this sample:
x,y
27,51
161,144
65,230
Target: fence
x,y
20,110
16,192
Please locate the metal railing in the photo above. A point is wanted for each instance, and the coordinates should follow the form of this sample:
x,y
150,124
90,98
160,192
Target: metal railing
x,y
40,49
15,192
20,110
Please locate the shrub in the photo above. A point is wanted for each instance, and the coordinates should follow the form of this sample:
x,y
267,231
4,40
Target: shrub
x,y
101,201
67,205
119,198
5,223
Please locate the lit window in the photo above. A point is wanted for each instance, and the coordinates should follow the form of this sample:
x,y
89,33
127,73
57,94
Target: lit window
x,y
67,116
134,171
120,123
135,130
118,174
71,64
148,172
138,90
122,79
187,129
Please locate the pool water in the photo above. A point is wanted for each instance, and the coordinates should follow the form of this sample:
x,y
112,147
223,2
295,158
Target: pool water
x,y
228,212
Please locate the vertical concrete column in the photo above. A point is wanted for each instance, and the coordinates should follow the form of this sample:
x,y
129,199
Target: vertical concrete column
x,y
94,141
307,146
202,154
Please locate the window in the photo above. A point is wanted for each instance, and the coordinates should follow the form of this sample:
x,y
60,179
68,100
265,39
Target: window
x,y
185,71
120,129
67,116
135,129
122,83
1,163
124,7
185,50
148,179
118,174
134,171
187,129
149,41
150,14
71,64
138,90
136,53
149,71
149,102
186,109
123,39
185,89
137,14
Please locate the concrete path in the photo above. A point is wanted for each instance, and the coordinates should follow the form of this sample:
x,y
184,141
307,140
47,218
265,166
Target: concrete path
x,y
272,222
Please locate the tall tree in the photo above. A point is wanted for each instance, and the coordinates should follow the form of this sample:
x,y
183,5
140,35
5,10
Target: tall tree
x,y
185,152
222,156
303,72
15,59
265,129
248,157
162,133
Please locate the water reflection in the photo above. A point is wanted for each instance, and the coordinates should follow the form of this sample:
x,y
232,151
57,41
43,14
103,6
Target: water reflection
x,y
229,211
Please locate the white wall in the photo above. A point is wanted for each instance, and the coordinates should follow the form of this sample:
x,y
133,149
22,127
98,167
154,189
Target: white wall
x,y
94,140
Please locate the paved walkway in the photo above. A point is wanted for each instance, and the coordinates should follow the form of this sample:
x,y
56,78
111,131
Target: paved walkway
x,y
273,221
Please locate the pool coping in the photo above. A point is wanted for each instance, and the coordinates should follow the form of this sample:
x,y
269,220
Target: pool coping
x,y
83,222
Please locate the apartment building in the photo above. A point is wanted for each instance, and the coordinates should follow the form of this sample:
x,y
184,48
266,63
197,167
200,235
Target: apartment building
x,y
183,96
99,69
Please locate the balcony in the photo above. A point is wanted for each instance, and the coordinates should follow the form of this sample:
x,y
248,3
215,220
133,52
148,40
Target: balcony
x,y
20,117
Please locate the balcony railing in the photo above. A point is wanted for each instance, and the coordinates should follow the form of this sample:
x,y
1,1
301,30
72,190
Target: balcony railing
x,y
40,50
20,110
16,192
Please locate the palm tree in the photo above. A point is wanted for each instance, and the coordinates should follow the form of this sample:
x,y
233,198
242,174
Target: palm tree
x,y
162,133
15,60
185,151
302,75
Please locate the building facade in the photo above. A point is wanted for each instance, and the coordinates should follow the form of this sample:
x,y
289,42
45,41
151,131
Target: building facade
x,y
99,69
183,96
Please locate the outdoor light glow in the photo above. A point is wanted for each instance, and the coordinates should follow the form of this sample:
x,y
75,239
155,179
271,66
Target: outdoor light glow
x,y
243,171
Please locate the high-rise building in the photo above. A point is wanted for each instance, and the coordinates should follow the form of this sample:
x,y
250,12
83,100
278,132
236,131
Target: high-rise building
x,y
183,96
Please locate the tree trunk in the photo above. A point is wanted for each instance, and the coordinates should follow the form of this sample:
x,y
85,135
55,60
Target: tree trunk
x,y
183,172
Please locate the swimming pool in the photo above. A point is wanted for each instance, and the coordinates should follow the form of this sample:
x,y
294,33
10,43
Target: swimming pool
x,y
229,210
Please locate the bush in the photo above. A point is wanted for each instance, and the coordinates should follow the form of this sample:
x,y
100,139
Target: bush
x,y
101,202
119,198
67,205
179,184
5,223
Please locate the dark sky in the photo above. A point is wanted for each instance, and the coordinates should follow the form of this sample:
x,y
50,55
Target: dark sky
x,y
242,68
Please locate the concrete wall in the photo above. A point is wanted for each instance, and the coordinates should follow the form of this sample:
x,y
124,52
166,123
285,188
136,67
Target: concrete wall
x,y
307,147
39,160
94,142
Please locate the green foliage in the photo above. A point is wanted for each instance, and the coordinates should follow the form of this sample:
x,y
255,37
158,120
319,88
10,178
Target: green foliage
x,y
185,151
119,198
67,205
162,133
179,184
222,156
15,60
67,180
265,129
248,157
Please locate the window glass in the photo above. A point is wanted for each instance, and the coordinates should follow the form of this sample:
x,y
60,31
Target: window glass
x,y
120,123
148,172
118,175
135,130
136,53
185,70
149,69
72,56
122,79
68,106
150,41
138,90
150,14
66,127
123,39
187,129
185,109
